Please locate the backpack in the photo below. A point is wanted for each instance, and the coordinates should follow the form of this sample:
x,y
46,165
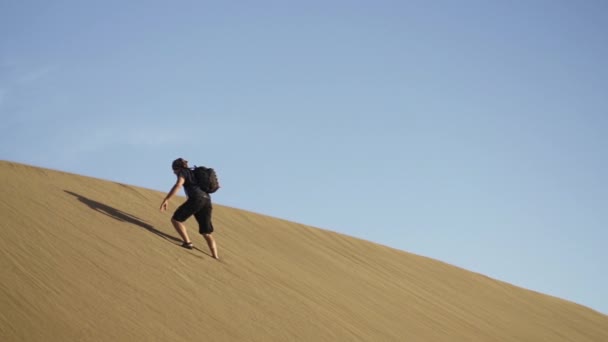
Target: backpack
x,y
206,179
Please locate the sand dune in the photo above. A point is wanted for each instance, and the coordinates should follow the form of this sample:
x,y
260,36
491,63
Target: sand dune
x,y
84,259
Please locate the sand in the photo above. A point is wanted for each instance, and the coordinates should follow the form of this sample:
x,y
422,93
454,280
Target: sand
x,y
85,259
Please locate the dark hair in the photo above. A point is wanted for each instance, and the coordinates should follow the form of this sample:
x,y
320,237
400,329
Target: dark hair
x,y
179,163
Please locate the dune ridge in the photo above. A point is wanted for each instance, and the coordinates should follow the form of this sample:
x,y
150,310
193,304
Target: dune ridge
x,y
85,259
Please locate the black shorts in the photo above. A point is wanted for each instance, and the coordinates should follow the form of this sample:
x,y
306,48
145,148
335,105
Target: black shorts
x,y
201,208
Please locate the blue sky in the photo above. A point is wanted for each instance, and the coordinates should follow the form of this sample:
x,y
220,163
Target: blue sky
x,y
473,132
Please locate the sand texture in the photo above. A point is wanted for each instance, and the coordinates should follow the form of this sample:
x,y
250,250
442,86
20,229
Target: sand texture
x,y
85,259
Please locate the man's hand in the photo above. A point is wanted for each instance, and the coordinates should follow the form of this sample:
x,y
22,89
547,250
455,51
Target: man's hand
x,y
164,205
178,184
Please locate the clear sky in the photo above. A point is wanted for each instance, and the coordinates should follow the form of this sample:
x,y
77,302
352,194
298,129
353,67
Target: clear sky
x,y
473,132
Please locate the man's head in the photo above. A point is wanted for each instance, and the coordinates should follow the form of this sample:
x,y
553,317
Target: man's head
x,y
179,163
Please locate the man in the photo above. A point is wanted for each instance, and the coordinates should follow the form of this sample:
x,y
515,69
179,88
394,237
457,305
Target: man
x,y
197,204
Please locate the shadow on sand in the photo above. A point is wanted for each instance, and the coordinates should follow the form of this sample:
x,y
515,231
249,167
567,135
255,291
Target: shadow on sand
x,y
122,216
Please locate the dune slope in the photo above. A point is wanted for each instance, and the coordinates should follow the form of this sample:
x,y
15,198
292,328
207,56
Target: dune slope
x,y
84,259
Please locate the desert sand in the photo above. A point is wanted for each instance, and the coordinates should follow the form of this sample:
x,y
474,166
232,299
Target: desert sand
x,y
85,259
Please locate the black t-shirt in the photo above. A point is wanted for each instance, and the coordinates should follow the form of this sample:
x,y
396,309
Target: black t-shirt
x,y
192,189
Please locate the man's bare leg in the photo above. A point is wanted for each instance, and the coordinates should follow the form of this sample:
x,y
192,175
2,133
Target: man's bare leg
x,y
212,245
181,230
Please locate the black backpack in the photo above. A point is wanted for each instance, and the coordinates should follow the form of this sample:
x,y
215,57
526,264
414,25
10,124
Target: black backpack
x,y
206,179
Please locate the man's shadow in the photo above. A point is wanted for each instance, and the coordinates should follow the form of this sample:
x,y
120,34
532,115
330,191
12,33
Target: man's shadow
x,y
121,216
